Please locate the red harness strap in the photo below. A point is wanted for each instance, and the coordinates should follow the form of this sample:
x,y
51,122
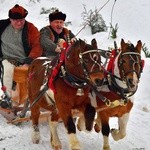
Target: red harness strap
x,y
3,88
110,67
143,63
56,69
111,61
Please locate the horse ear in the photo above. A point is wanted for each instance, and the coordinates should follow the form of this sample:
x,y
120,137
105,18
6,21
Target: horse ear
x,y
139,46
80,40
123,44
94,43
82,43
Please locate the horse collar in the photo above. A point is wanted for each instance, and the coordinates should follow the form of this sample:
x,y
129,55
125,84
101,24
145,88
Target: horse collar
x,y
71,79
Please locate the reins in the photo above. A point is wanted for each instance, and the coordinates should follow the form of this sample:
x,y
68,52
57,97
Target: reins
x,y
43,88
40,94
73,80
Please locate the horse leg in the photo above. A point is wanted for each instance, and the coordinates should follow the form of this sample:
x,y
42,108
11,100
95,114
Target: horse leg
x,y
120,133
81,123
105,131
35,113
98,125
67,118
53,124
86,119
73,140
89,115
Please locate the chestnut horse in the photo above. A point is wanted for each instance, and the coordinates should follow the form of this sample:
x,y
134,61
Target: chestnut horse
x,y
115,97
68,90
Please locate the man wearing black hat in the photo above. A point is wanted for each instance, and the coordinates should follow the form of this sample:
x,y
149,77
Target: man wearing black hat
x,y
19,45
53,35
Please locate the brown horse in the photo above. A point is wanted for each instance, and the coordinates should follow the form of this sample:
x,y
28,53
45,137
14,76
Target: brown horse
x,y
115,97
68,90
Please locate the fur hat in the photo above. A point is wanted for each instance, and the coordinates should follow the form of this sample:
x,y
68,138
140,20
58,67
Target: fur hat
x,y
57,15
17,12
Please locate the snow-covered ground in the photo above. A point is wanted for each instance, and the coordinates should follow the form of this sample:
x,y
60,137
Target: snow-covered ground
x,y
133,21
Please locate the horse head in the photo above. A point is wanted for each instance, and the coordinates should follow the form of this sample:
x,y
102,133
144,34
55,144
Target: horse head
x,y
130,64
84,61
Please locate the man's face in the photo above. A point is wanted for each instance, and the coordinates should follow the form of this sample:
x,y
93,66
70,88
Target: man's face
x,y
57,25
17,23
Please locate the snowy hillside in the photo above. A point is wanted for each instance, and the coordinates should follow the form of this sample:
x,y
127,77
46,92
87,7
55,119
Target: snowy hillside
x,y
133,21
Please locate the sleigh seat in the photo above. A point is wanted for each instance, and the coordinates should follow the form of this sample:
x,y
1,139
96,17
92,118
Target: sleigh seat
x,y
20,94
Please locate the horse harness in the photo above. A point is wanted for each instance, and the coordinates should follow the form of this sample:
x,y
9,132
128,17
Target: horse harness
x,y
75,81
69,78
110,81
78,83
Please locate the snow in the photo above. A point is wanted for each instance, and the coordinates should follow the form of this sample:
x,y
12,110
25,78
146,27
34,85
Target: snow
x,y
133,21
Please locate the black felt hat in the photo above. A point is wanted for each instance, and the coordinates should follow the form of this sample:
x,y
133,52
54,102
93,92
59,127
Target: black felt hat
x,y
57,15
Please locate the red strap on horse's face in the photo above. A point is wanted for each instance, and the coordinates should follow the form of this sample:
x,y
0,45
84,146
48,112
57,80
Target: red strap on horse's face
x,y
142,63
111,61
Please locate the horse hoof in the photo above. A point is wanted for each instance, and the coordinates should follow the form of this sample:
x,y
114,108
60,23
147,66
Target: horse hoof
x,y
36,137
35,141
57,148
116,134
78,127
76,147
114,131
106,147
81,124
97,128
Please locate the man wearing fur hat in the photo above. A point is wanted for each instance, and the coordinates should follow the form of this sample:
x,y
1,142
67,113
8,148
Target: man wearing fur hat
x,y
54,35
19,45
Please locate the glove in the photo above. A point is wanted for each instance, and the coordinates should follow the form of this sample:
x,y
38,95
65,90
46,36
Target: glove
x,y
61,43
73,40
28,60
58,49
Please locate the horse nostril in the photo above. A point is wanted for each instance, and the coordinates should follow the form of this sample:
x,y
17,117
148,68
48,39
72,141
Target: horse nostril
x,y
130,81
98,82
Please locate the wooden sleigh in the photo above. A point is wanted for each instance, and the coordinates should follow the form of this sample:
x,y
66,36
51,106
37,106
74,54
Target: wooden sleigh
x,y
20,99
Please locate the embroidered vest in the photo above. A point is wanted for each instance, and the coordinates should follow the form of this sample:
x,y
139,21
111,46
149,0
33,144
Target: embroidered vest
x,y
66,35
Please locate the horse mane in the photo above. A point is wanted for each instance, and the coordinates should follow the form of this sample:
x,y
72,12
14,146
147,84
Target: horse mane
x,y
131,47
78,43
